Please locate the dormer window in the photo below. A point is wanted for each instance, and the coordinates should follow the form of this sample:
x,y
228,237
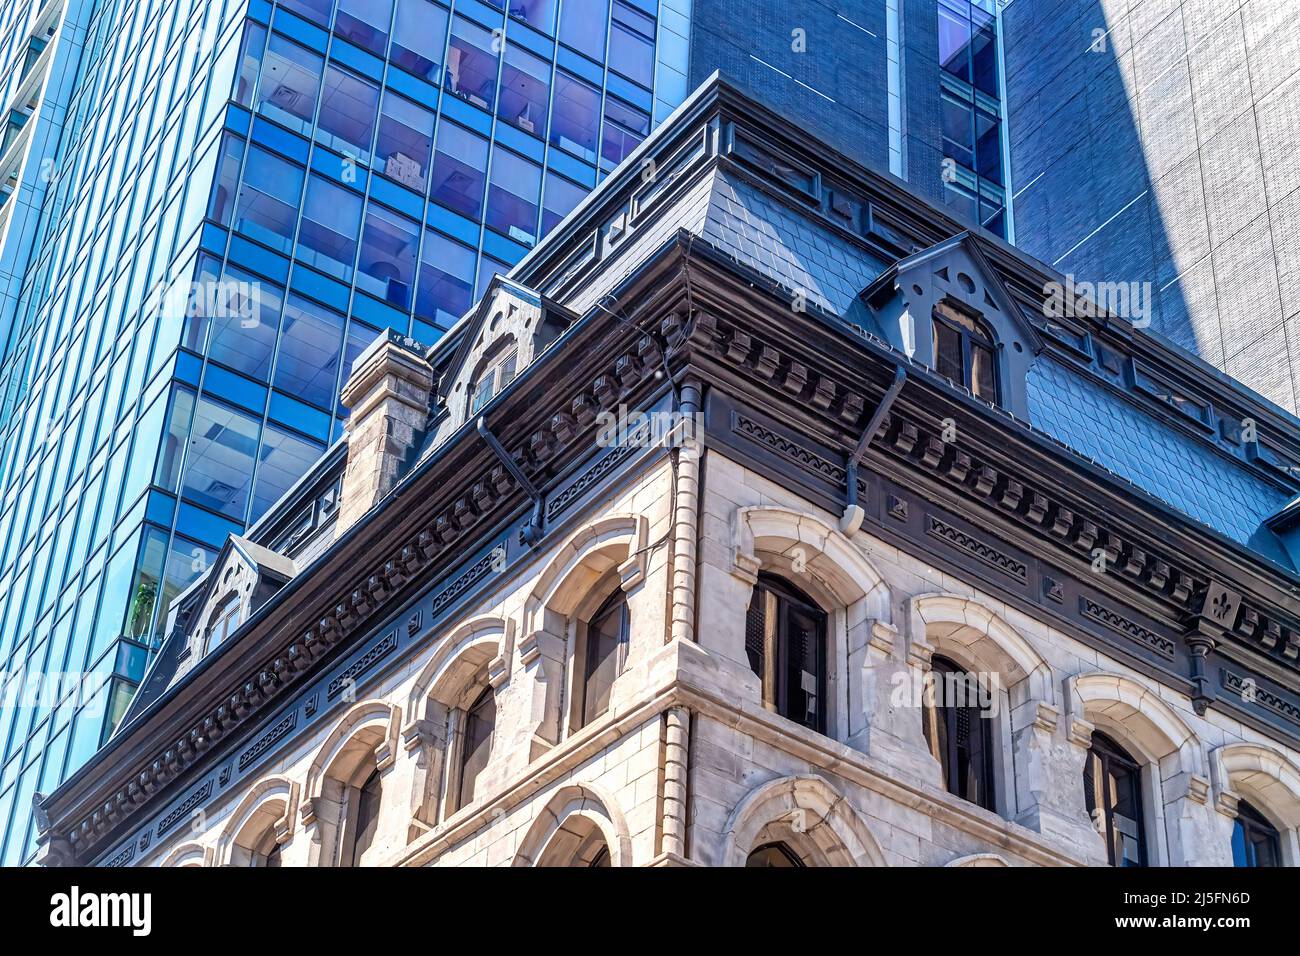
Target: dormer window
x,y
492,380
224,622
965,351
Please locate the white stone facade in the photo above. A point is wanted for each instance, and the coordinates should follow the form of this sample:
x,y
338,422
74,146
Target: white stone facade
x,y
687,766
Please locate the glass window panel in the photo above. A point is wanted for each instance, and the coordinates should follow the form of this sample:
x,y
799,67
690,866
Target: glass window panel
x,y
405,141
268,199
458,166
186,560
289,85
331,218
512,196
446,280
419,33
606,636
348,109
582,26
388,249
988,147
222,203
984,53
223,446
311,338
575,121
250,62
487,268
284,459
632,55
625,128
179,413
317,11
536,13
472,63
954,43
244,323
525,90
365,23
476,746
561,196
958,135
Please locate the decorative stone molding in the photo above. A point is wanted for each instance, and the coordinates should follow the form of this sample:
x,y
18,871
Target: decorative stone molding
x,y
808,814
570,817
272,804
814,547
611,544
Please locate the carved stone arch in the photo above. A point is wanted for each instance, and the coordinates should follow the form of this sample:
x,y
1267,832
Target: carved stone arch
x,y
189,854
1136,716
1175,787
808,815
482,645
797,539
614,545
978,860
576,818
364,740
267,814
976,637
1263,775
1269,780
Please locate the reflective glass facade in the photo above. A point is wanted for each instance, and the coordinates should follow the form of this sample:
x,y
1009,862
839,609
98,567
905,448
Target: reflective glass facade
x,y
242,195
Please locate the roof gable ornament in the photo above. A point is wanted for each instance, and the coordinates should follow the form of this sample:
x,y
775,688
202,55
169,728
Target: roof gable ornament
x,y
956,272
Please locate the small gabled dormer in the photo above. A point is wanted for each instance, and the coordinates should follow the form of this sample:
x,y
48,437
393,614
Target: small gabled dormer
x,y
243,578
947,308
509,329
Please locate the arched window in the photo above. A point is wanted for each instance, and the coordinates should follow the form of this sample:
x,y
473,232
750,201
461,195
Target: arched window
x,y
496,376
773,854
1255,841
965,351
785,640
225,620
605,640
476,745
1112,789
958,726
367,818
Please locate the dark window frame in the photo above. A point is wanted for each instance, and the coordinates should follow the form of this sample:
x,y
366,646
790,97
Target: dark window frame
x,y
365,820
1256,832
615,603
968,737
471,717
774,598
974,336
1112,760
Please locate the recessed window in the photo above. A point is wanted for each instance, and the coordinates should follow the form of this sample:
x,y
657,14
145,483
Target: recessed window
x,y
785,640
476,745
418,36
367,818
606,645
959,729
773,855
493,379
1112,790
965,351
1255,841
225,621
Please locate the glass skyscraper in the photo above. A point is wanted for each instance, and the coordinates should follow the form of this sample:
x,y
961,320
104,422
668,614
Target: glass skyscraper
x,y
209,208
